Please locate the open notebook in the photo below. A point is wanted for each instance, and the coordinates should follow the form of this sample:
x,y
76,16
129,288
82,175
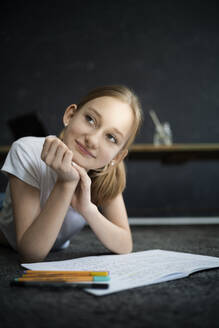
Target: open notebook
x,y
135,269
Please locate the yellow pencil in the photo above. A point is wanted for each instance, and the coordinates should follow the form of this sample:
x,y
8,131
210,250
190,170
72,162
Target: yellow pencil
x,y
72,273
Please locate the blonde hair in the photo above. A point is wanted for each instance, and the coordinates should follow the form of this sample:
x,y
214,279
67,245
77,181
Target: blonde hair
x,y
110,181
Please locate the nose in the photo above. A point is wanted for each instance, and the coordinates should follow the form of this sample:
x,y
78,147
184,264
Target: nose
x,y
92,140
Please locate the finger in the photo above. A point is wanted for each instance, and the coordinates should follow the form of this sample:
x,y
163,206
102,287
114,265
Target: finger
x,y
67,163
85,179
45,149
46,146
50,156
67,158
51,153
59,155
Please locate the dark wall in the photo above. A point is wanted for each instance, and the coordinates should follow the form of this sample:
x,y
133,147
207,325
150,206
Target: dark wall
x,y
53,52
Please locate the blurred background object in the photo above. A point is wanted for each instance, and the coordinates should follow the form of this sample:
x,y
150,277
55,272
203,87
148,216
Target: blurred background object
x,y
163,133
27,125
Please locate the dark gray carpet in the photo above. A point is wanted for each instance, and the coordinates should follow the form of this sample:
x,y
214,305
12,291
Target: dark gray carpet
x,y
189,302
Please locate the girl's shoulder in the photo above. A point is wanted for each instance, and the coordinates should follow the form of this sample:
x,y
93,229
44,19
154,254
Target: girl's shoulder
x,y
24,160
30,142
27,145
26,149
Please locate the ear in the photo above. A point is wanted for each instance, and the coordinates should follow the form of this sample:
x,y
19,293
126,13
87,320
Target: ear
x,y
120,156
69,113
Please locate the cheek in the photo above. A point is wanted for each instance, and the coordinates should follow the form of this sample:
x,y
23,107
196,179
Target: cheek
x,y
106,156
75,129
70,134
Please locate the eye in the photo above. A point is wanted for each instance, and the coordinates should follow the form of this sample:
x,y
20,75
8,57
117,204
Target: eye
x,y
90,119
112,138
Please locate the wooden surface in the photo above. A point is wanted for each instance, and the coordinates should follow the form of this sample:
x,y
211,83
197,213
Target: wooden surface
x,y
143,147
173,153
176,153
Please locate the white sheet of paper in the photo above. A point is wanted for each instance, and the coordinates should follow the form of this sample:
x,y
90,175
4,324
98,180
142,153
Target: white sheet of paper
x,y
134,269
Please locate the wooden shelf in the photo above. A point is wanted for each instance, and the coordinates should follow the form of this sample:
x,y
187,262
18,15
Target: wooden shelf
x,y
175,153
143,147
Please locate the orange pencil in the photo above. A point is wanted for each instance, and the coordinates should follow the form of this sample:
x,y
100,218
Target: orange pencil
x,y
55,279
63,278
87,278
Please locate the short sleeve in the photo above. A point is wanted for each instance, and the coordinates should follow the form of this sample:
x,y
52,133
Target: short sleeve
x,y
23,161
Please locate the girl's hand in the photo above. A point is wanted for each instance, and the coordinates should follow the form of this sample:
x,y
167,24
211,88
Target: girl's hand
x,y
59,157
81,200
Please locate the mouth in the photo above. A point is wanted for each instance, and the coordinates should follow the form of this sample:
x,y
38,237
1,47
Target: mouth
x,y
83,150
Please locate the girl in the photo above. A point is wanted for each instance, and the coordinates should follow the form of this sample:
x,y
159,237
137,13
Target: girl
x,y
58,184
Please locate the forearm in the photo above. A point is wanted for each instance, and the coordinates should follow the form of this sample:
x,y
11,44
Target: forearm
x,y
39,238
115,238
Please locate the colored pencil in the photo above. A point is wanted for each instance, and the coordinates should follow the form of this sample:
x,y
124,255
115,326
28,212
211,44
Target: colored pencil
x,y
58,284
76,273
53,276
63,278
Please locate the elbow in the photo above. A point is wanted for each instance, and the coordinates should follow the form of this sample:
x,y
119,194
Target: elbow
x,y
125,245
129,246
130,249
28,253
125,249
30,259
28,256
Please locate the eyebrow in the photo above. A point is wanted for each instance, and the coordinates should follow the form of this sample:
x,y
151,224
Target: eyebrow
x,y
100,117
95,111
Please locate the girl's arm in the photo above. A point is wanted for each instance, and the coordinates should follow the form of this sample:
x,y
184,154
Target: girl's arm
x,y
37,228
111,227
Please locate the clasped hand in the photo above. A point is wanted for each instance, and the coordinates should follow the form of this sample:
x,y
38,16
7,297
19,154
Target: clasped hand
x,y
60,158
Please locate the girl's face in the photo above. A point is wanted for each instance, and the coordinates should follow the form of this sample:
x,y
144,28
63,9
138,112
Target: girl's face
x,y
97,132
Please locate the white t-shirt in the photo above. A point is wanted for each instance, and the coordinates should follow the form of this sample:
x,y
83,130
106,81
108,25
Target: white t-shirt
x,y
24,161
